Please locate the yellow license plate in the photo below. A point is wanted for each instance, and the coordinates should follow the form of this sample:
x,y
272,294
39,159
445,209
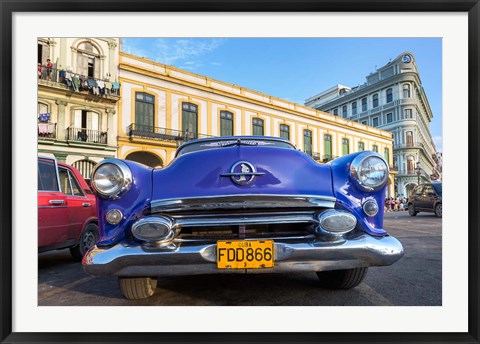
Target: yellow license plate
x,y
245,254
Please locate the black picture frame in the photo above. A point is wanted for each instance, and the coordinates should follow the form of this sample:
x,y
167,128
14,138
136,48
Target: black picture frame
x,y
9,7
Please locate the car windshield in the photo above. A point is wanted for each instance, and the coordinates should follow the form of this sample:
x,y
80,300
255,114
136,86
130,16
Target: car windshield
x,y
438,188
233,141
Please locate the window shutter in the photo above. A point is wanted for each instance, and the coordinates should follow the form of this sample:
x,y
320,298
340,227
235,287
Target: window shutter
x,y
97,68
77,119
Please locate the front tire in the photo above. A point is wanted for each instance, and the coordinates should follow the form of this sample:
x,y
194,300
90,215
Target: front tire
x,y
136,288
438,210
342,279
411,210
88,238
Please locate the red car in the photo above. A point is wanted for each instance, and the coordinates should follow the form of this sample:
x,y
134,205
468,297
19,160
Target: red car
x,y
67,212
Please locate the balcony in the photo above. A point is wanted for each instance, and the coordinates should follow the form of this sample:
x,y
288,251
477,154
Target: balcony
x,y
162,134
86,135
78,83
409,145
47,130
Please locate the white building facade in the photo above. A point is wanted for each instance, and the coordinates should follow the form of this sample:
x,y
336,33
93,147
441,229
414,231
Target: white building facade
x,y
394,100
78,92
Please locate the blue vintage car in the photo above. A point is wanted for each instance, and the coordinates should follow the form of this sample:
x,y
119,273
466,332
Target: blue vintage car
x,y
241,204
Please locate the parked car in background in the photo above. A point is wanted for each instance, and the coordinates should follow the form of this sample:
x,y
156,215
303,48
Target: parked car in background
x,y
426,197
241,205
67,214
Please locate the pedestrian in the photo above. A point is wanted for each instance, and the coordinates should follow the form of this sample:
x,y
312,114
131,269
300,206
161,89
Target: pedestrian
x,y
39,69
49,69
392,204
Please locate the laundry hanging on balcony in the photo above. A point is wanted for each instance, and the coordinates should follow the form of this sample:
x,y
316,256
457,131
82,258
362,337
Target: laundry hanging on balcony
x,y
44,117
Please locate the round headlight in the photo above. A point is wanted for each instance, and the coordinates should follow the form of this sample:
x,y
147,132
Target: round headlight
x,y
110,179
370,171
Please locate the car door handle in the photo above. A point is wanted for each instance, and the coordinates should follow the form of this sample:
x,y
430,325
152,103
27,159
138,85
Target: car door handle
x,y
85,205
56,201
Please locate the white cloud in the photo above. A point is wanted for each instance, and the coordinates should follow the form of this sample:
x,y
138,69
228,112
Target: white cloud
x,y
185,51
171,52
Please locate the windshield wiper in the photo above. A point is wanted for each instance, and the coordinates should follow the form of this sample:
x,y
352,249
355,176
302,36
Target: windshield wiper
x,y
240,143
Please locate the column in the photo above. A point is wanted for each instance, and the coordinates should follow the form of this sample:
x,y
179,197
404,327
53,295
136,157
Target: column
x,y
112,63
111,130
61,124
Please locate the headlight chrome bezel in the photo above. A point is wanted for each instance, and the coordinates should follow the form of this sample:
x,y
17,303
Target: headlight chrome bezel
x,y
355,169
123,186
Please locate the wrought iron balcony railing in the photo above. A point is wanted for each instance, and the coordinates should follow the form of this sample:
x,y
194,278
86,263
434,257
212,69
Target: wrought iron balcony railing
x,y
77,82
86,135
162,134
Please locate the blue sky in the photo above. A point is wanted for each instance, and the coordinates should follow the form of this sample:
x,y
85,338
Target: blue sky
x,y
297,68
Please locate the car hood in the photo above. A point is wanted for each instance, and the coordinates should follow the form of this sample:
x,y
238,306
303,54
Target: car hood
x,y
204,173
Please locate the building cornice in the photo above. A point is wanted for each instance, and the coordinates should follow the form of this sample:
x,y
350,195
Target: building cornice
x,y
171,74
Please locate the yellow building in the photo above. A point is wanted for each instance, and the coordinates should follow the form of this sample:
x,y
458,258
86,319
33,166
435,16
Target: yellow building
x,y
161,106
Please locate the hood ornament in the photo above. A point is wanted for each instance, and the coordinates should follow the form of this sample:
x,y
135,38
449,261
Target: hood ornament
x,y
242,173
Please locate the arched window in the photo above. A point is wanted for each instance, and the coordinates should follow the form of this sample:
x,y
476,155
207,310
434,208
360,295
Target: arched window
x,y
361,146
85,167
88,60
389,95
409,138
226,123
344,111
410,165
375,100
354,108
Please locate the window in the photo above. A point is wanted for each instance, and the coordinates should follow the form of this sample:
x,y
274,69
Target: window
x,y
389,95
68,183
144,105
226,123
190,120
354,108
47,176
327,142
389,117
375,100
345,147
409,136
284,131
375,121
364,104
386,154
429,191
344,111
257,124
43,53
88,60
335,112
406,91
307,141
418,190
408,113
375,148
361,146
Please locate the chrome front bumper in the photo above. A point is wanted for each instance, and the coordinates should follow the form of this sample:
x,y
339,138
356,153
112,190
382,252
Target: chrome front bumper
x,y
194,259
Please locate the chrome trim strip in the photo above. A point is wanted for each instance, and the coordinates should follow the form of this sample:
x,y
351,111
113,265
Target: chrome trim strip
x,y
243,219
188,259
248,201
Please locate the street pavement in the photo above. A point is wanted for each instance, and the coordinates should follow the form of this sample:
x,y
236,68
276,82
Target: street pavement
x,y
415,280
